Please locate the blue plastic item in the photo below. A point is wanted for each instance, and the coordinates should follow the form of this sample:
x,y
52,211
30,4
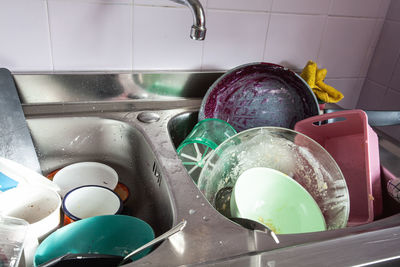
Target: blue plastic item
x,y
6,183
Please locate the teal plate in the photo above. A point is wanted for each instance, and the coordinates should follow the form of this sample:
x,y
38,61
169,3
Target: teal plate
x,y
109,234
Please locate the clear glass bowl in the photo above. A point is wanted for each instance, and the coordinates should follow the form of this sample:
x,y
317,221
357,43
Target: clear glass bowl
x,y
288,151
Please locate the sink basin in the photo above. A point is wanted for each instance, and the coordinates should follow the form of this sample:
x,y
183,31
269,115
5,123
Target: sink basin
x,y
134,122
65,140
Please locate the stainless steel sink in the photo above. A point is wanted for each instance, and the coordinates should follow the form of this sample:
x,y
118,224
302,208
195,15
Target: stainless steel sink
x,y
65,140
134,122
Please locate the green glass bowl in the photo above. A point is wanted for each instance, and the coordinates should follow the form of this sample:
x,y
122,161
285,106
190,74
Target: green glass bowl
x,y
277,201
109,234
204,138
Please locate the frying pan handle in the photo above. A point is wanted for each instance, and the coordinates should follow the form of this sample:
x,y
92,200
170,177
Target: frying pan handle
x,y
378,117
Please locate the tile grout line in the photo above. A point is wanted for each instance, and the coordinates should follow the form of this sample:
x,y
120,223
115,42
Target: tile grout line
x,y
367,79
50,36
92,2
132,34
388,87
325,29
371,46
271,12
393,71
205,40
266,34
376,82
360,82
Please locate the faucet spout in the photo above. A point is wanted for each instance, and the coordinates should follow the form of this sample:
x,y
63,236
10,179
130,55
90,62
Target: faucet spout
x,y
198,30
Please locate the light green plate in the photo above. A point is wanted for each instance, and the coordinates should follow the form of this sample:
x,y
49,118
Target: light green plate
x,y
276,200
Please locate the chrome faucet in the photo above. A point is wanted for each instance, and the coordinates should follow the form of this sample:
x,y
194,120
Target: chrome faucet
x,y
198,30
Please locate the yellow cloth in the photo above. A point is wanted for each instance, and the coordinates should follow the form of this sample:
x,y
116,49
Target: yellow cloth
x,y
315,79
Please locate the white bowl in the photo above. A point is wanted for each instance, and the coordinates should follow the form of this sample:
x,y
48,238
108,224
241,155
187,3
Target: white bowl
x,y
90,200
38,205
85,173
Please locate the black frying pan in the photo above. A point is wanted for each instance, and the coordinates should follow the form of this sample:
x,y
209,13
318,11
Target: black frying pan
x,y
259,94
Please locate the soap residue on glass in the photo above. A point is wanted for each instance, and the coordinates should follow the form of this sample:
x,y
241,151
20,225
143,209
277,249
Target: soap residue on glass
x,y
284,150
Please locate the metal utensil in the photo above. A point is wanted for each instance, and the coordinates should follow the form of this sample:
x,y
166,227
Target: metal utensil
x,y
83,260
177,228
255,226
15,142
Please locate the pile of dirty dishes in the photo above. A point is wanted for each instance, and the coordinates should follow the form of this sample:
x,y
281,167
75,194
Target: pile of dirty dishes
x,y
265,171
87,189
91,204
90,197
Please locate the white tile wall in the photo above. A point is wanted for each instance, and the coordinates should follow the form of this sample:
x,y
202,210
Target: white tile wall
x,y
162,3
234,38
386,53
90,35
372,95
356,8
381,90
345,45
254,5
383,10
376,33
395,80
161,40
293,39
391,100
64,35
394,11
24,31
301,6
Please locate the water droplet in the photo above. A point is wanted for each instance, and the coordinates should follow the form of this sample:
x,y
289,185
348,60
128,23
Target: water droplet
x,y
205,218
203,204
197,196
192,211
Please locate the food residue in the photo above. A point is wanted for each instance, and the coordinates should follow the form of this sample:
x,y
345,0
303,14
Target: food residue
x,y
269,224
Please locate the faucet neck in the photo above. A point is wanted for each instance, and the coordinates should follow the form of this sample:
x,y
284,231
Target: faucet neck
x,y
198,30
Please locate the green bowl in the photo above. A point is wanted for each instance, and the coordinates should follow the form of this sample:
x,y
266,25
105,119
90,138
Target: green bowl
x,y
109,234
277,201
